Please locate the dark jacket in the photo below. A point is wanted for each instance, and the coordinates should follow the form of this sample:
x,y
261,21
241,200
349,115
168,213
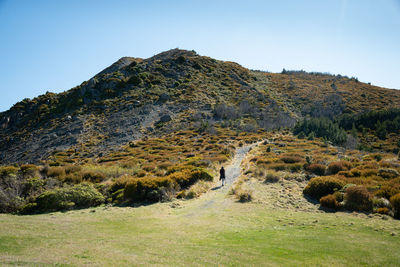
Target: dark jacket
x,y
222,173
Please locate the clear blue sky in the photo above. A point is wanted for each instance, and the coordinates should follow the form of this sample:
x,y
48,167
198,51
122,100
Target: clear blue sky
x,y
56,45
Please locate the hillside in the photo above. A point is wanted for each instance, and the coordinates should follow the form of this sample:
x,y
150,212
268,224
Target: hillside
x,y
133,170
174,90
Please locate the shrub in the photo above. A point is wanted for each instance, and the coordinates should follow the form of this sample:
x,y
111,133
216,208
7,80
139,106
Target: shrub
x,y
358,198
72,169
32,185
161,188
262,161
120,183
94,177
149,167
316,168
28,170
339,196
244,195
55,172
356,172
278,166
329,201
395,201
295,167
138,189
197,189
301,135
74,178
186,178
388,173
387,191
10,201
338,166
190,194
165,165
272,178
291,159
7,171
79,196
383,211
321,186
200,174
368,172
141,173
379,203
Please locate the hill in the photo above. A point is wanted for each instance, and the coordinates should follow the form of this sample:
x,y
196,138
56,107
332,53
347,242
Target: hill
x,y
174,90
312,178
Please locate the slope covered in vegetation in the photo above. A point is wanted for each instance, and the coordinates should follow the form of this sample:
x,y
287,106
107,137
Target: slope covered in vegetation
x,y
148,130
135,98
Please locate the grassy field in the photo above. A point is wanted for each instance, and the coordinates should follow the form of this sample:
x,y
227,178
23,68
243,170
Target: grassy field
x,y
209,231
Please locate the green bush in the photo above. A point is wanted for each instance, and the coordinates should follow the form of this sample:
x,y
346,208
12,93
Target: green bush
x,y
32,185
139,189
358,198
117,196
159,188
28,170
329,201
317,169
7,171
321,186
79,196
395,201
10,201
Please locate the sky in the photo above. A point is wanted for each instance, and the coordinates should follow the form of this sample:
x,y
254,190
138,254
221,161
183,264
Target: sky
x,y
56,45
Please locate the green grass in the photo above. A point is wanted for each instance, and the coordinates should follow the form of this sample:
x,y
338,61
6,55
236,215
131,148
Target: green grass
x,y
208,231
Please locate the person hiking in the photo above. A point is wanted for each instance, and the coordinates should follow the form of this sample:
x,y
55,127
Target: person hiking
x,y
222,175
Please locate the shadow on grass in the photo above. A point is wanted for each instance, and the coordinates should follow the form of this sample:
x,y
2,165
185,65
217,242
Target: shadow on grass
x,y
311,200
216,187
105,205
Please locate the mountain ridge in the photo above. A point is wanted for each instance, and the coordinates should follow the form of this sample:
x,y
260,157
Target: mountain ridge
x,y
134,98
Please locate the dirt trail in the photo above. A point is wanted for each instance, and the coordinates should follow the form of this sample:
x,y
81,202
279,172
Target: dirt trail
x,y
232,172
216,197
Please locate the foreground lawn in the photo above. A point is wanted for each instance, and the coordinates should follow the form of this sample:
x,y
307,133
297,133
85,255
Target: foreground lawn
x,y
213,230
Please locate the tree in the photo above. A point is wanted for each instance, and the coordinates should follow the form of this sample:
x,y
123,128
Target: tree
x,y
381,130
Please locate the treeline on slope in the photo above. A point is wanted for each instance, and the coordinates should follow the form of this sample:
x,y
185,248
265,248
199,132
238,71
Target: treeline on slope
x,y
382,122
379,123
321,127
